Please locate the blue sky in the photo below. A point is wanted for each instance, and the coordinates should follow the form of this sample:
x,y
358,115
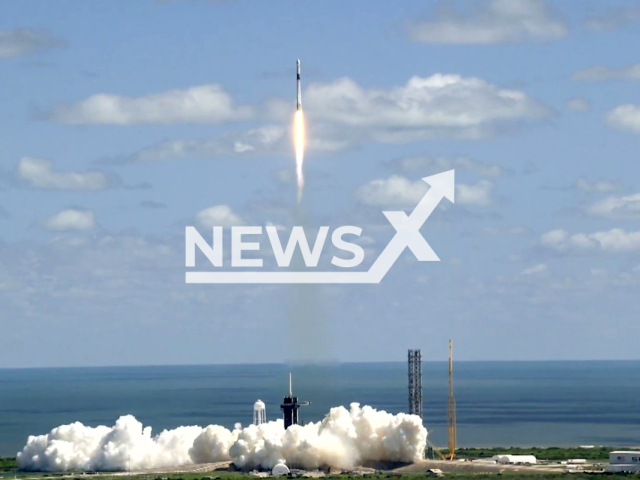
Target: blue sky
x,y
123,122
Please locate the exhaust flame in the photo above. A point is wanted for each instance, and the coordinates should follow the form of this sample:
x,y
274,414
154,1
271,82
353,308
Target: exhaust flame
x,y
298,136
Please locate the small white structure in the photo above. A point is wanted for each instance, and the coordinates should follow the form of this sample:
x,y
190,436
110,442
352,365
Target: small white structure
x,y
515,459
280,470
624,461
259,413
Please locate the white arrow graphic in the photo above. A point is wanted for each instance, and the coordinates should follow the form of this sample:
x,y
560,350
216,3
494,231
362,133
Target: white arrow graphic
x,y
407,234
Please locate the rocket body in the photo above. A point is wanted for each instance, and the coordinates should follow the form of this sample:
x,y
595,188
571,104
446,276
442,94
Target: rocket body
x,y
298,89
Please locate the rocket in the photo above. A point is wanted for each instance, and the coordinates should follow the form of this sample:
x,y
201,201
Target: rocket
x,y
299,90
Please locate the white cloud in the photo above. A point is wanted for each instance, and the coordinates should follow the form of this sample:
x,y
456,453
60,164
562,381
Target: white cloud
x,y
200,104
578,104
625,207
493,21
398,191
26,41
259,141
428,164
435,106
342,114
540,268
70,219
478,194
39,173
218,215
394,191
599,186
625,117
615,240
598,73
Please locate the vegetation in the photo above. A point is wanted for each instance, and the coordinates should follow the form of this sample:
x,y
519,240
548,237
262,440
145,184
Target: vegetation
x,y
218,475
541,453
8,464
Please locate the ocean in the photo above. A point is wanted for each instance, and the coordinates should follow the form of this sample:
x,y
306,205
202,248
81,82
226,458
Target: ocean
x,y
498,403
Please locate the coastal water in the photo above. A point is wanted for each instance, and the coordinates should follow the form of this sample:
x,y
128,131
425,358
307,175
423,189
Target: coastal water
x,y
498,403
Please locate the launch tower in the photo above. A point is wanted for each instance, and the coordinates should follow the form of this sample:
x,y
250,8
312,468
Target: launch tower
x,y
415,382
290,406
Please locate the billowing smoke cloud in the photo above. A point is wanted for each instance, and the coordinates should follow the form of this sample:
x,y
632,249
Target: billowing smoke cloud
x,y
344,439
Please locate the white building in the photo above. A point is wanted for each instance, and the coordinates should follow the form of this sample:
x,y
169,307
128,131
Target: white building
x,y
515,459
259,413
624,461
280,470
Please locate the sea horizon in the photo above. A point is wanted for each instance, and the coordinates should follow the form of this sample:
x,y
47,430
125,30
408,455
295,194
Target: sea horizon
x,y
313,363
499,403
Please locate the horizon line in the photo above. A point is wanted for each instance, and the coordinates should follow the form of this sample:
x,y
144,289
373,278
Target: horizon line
x,y
309,364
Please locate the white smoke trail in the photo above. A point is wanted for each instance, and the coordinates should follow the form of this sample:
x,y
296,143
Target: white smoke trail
x,y
344,439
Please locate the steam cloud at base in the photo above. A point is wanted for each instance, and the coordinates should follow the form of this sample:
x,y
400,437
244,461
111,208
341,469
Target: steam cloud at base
x,y
344,439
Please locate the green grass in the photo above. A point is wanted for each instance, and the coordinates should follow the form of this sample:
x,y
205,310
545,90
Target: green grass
x,y
541,453
381,476
8,464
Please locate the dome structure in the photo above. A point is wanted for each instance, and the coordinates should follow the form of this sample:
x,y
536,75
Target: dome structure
x,y
280,470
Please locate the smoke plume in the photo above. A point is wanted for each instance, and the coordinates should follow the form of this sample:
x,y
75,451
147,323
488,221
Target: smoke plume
x,y
344,439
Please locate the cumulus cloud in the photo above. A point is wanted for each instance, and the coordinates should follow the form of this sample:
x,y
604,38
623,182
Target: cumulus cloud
x,y
598,186
342,114
435,106
343,439
399,191
578,104
493,21
40,174
625,117
218,215
540,268
615,240
200,104
429,164
625,207
598,73
26,41
70,219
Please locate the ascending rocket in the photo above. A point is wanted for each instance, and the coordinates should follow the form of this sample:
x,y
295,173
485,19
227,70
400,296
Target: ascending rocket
x,y
299,90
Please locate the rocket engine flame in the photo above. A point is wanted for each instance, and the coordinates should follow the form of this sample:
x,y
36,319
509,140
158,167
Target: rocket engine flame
x,y
298,136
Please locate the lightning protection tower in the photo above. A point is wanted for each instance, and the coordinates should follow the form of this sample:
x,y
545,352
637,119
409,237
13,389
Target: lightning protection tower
x,y
451,409
415,382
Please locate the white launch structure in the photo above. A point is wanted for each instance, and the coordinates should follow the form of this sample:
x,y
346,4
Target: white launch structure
x,y
259,413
